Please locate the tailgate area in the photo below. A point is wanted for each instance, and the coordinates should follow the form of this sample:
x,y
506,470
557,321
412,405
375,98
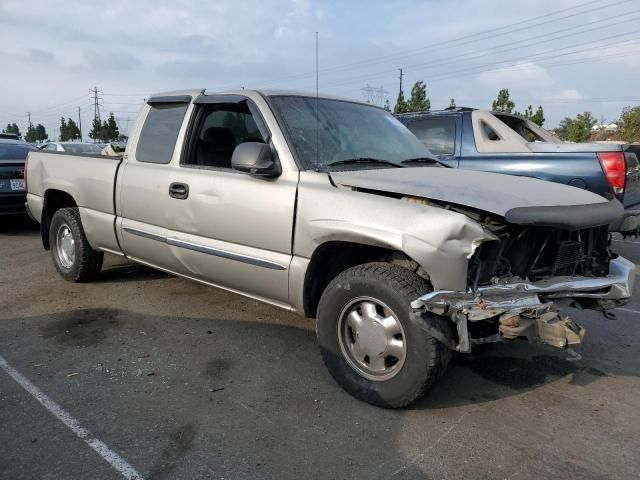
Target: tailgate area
x,y
12,192
632,185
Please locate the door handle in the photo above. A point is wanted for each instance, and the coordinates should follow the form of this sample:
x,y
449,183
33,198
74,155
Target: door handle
x,y
179,190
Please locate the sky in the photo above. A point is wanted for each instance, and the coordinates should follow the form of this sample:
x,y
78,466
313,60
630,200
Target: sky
x,y
569,56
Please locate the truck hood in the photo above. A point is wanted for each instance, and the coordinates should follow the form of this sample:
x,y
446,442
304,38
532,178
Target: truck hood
x,y
520,200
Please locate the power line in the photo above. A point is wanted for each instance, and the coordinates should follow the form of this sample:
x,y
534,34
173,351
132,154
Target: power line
x,y
495,67
485,35
58,106
385,73
511,46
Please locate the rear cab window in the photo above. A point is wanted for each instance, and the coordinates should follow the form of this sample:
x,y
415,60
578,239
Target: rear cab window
x,y
160,131
438,134
15,151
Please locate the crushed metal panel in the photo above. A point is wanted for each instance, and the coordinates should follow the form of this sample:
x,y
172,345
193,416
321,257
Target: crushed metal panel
x,y
440,241
489,192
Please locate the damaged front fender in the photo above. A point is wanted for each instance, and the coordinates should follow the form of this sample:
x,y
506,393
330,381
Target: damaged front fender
x,y
440,240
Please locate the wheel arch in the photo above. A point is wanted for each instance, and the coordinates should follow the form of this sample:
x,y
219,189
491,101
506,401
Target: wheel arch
x,y
333,257
54,200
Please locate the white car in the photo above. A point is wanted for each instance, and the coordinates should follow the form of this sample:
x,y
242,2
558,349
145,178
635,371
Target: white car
x,y
72,147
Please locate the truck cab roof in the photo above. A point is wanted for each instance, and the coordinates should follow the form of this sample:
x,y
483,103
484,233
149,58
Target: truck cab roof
x,y
267,92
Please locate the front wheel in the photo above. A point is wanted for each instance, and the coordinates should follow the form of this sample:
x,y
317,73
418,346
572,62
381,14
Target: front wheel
x,y
72,255
371,343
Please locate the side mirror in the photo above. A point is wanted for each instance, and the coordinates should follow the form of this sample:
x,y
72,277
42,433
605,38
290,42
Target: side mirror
x,y
257,159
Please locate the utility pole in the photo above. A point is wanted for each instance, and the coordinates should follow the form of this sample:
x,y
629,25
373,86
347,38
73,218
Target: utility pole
x,y
400,79
80,123
30,124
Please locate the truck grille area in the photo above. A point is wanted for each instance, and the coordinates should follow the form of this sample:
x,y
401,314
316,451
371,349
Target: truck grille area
x,y
567,258
536,253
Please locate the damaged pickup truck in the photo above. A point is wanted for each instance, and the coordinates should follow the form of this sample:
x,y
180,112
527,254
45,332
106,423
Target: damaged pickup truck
x,y
333,209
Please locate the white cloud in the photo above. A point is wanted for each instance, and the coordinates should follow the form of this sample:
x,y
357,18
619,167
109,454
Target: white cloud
x,y
521,74
566,94
157,45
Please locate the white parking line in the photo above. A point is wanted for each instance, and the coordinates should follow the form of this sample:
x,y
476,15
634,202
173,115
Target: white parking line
x,y
629,310
115,460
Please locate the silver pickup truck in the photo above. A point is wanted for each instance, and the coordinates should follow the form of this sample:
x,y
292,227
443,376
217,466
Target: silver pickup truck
x,y
333,209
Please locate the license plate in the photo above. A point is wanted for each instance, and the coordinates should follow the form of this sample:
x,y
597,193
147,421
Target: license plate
x,y
17,185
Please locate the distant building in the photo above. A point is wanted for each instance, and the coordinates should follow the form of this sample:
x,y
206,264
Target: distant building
x,y
604,131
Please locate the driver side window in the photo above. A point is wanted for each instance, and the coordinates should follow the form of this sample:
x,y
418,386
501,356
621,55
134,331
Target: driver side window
x,y
219,128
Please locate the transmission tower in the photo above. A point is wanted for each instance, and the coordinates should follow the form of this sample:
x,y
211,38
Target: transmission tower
x,y
374,95
97,101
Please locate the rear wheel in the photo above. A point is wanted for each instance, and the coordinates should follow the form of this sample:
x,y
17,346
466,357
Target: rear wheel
x,y
72,255
370,341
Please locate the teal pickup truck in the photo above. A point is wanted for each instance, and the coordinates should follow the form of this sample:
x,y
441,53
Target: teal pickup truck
x,y
503,143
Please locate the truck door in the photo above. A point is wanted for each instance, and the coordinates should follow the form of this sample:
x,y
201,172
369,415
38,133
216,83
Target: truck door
x,y
229,228
143,183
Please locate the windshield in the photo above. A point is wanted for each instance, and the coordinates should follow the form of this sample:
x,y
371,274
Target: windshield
x,y
82,148
14,151
346,131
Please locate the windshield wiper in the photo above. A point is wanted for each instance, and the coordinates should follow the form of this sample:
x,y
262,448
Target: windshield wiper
x,y
363,160
423,160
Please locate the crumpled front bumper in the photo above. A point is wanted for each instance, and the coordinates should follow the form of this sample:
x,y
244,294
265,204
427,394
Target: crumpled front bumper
x,y
526,308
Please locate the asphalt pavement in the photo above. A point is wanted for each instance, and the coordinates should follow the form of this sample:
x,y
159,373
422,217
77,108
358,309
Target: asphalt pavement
x,y
142,373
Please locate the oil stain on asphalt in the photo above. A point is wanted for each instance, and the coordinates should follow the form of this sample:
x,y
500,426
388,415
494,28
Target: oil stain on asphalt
x,y
180,442
82,328
216,368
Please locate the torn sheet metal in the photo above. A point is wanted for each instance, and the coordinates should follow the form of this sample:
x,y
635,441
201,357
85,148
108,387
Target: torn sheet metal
x,y
525,309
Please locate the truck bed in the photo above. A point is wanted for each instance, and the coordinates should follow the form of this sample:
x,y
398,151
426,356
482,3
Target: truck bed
x,y
88,179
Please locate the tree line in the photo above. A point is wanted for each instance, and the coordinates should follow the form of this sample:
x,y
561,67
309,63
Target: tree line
x,y
101,131
570,129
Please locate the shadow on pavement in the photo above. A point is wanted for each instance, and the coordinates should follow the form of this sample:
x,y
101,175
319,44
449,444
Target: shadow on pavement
x,y
18,225
129,272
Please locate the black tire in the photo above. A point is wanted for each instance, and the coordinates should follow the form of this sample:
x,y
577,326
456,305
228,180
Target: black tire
x,y
425,358
87,262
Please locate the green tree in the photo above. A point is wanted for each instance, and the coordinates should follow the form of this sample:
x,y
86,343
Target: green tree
x,y
96,130
401,104
503,103
419,102
36,133
30,136
452,104
71,130
576,129
41,133
12,128
63,130
111,128
537,117
629,124
562,130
